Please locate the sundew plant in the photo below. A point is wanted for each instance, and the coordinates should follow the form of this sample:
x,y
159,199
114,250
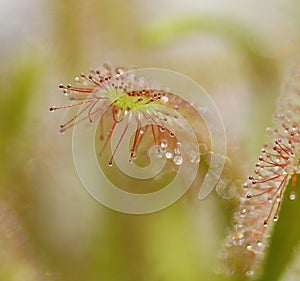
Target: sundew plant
x,y
150,136
159,119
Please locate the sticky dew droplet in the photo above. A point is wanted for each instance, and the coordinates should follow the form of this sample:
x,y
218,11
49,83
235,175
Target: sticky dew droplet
x,y
293,196
169,155
178,160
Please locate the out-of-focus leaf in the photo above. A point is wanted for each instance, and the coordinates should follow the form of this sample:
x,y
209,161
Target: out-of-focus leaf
x,y
239,35
230,29
17,92
285,238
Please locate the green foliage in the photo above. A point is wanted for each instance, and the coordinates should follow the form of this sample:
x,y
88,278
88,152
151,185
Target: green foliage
x,y
285,238
17,93
243,38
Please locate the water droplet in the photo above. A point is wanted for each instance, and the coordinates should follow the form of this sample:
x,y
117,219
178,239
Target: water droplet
x,y
259,243
76,79
142,131
169,155
293,196
177,150
164,99
132,154
178,160
249,273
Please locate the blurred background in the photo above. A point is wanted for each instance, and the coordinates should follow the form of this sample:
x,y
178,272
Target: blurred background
x,y
50,228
